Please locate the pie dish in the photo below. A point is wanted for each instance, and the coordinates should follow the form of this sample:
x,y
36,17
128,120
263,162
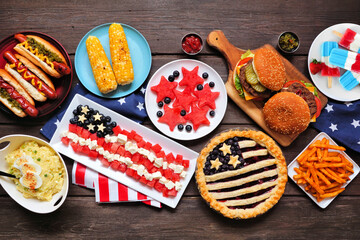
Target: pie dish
x,y
241,173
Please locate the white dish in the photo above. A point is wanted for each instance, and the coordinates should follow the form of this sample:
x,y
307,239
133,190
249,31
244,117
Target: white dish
x,y
294,164
125,123
7,183
337,92
166,70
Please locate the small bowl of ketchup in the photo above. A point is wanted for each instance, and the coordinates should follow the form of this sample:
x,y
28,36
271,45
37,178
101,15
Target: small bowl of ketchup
x,y
192,43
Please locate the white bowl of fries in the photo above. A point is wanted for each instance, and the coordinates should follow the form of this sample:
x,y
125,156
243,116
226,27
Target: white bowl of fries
x,y
323,170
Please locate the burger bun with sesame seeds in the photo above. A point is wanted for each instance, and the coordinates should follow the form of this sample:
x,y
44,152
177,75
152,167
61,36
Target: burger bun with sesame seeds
x,y
286,113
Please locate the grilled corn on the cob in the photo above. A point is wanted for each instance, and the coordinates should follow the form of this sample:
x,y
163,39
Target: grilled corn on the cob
x,y
120,55
103,73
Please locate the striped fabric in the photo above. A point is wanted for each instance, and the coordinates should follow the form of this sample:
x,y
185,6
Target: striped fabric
x,y
107,190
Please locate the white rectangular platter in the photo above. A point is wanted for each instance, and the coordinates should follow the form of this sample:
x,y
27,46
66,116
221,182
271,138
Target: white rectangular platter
x,y
167,144
294,164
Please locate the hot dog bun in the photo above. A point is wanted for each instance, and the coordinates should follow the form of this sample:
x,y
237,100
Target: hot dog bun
x,y
40,74
9,79
36,60
34,93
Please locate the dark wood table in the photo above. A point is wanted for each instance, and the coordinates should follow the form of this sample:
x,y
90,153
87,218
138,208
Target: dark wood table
x,y
248,25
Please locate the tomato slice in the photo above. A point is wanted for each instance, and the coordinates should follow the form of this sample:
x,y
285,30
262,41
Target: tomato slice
x,y
245,60
318,106
288,83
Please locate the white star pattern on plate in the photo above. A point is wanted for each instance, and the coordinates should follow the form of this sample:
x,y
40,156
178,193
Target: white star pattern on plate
x,y
57,122
140,106
122,101
329,108
356,123
143,90
333,127
358,142
348,104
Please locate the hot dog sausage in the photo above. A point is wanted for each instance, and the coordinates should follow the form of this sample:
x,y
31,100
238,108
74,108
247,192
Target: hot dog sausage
x,y
30,77
62,68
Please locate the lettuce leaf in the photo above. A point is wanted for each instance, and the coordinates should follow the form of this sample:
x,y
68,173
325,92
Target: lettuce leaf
x,y
247,54
238,86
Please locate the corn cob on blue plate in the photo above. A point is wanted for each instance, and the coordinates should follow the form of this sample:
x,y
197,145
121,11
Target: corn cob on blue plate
x,y
140,55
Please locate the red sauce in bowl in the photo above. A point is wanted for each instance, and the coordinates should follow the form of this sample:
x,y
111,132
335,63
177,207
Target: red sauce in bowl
x,y
192,44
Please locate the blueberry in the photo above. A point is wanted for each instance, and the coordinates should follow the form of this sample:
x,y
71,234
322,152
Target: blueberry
x,y
108,119
86,122
229,141
199,87
183,112
75,112
236,139
80,124
180,127
167,100
212,113
79,108
91,110
171,78
160,104
205,75
73,120
211,84
99,134
188,128
108,129
113,124
159,114
176,73
103,119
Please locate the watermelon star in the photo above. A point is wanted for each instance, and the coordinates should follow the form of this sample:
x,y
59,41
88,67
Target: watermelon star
x,y
191,78
197,116
172,117
164,89
207,97
184,99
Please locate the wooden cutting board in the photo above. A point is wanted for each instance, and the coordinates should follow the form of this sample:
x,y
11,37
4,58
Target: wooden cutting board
x,y
253,109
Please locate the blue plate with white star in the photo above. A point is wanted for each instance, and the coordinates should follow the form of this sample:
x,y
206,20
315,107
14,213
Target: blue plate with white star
x,y
140,55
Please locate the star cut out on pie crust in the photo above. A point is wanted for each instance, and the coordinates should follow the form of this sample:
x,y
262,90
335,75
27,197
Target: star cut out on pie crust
x,y
234,160
215,163
225,149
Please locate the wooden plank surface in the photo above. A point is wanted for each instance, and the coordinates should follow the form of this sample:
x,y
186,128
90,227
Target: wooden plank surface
x,y
248,24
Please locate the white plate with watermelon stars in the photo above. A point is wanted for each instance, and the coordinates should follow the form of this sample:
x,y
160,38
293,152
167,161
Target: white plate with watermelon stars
x,y
188,93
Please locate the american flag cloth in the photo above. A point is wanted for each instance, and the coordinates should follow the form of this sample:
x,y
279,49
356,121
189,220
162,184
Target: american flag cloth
x,y
106,190
341,121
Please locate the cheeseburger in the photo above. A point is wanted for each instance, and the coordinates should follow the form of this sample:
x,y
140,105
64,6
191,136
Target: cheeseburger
x,y
257,75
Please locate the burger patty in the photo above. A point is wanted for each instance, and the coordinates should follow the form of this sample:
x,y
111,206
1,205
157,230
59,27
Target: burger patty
x,y
248,87
303,92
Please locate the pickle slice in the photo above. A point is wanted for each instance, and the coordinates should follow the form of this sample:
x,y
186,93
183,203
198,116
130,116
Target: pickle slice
x,y
250,75
258,87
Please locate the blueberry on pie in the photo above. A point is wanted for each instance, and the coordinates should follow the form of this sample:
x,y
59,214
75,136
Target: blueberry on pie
x,y
241,174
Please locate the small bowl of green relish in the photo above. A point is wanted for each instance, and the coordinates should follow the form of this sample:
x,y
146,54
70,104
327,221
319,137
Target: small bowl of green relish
x,y
288,42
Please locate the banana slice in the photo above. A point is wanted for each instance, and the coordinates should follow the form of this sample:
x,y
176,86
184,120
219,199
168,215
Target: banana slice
x,y
251,77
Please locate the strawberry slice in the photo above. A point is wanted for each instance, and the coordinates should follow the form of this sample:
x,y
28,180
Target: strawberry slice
x,y
164,89
207,97
315,66
197,116
191,78
172,117
184,99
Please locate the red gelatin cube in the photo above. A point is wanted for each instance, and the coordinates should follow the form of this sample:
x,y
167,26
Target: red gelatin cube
x,y
168,173
72,128
132,134
141,144
93,137
107,146
114,147
159,187
156,148
135,158
85,134
65,140
151,183
100,141
130,172
93,154
160,154
114,164
141,160
122,167
136,176
138,138
124,132
117,130
170,158
143,180
104,161
85,150
152,170
79,130
179,159
165,192
172,192
175,177
121,150
186,163
128,154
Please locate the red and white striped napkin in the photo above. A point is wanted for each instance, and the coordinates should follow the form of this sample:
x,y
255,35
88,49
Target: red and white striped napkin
x,y
106,189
